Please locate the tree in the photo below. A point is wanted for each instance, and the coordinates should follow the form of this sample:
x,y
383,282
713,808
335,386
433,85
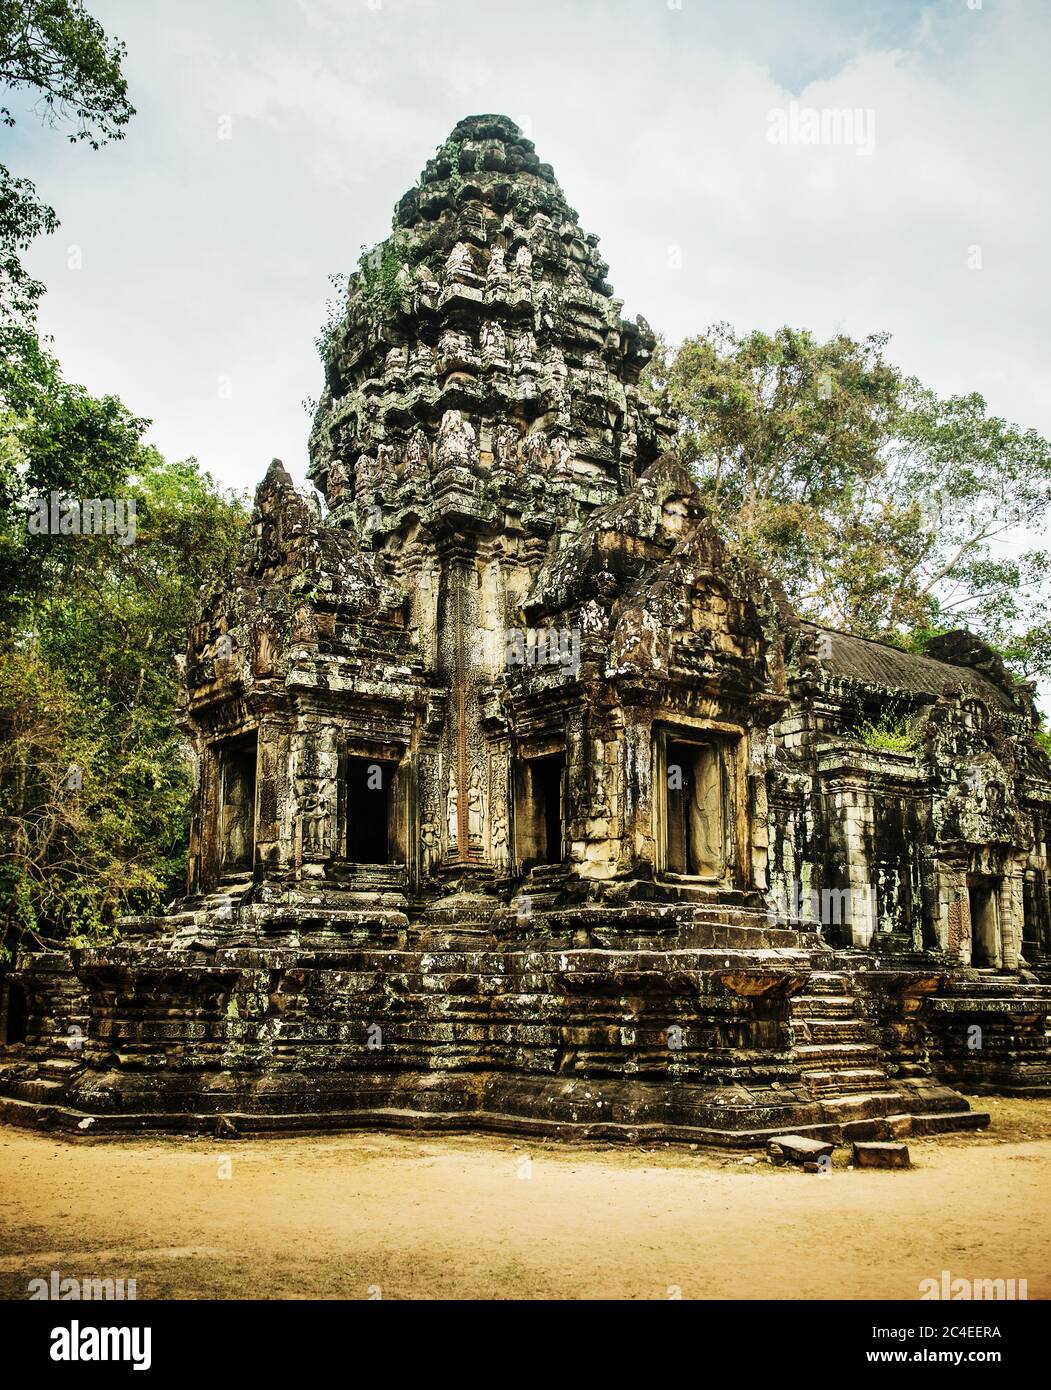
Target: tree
x,y
56,50
882,508
53,436
94,778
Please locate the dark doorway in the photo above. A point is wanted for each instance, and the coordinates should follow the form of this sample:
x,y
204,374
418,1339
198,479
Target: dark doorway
x,y
695,830
15,1012
982,894
237,772
547,774
370,784
538,812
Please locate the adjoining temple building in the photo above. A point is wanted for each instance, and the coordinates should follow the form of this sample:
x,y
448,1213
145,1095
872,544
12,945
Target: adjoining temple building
x,y
522,800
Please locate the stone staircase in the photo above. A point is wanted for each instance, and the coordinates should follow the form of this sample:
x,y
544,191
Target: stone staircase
x,y
184,920
838,1056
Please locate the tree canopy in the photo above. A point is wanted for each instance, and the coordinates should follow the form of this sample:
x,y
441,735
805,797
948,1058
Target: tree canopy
x,y
881,507
95,779
58,53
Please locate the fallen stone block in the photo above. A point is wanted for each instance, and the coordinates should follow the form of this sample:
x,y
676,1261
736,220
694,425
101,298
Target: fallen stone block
x,y
881,1155
797,1148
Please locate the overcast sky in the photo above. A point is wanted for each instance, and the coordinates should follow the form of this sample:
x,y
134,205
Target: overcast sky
x,y
204,260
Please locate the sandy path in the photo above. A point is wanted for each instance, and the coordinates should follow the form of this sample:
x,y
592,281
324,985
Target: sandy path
x,y
363,1215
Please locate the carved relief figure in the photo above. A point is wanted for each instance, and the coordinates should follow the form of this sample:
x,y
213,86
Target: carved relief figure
x,y
452,814
561,455
313,818
537,452
386,464
456,441
524,351
338,481
982,808
493,339
706,822
460,262
499,838
475,810
507,448
455,350
496,273
417,456
364,477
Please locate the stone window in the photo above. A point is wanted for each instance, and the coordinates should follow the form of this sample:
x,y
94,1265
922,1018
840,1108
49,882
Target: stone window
x,y
692,808
539,810
237,762
374,807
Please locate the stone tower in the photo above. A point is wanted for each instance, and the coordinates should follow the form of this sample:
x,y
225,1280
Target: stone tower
x,y
451,686
481,403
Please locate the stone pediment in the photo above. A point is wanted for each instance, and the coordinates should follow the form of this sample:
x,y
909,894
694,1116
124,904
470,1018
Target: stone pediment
x,y
620,542
299,583
982,808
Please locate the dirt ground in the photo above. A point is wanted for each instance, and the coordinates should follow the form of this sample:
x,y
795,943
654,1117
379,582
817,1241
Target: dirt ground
x,y
390,1216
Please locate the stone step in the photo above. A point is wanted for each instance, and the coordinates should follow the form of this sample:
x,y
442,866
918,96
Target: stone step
x,y
35,1089
881,1154
800,1149
824,1006
830,1030
861,1105
828,982
836,1054
848,1081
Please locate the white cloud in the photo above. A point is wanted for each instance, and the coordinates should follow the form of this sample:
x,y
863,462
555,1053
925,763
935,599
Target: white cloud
x,y
207,258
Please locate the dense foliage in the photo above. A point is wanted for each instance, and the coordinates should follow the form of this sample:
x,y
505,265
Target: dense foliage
x,y
94,781
882,508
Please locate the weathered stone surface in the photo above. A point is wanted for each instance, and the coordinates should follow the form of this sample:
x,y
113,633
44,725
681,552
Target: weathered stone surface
x,y
798,1148
522,799
874,1154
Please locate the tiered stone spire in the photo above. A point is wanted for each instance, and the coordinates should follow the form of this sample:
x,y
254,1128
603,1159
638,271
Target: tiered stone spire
x,y
482,364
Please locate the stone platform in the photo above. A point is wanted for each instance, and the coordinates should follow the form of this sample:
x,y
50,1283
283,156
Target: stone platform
x,y
727,1044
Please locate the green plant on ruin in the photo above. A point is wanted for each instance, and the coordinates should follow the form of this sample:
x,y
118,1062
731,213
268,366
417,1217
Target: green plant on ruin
x,y
891,732
335,309
379,271
450,151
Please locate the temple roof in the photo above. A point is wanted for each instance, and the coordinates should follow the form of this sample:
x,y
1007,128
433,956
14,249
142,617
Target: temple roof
x,y
876,663
480,349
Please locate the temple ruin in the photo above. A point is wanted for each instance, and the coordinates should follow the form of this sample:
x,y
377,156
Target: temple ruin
x,y
522,801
